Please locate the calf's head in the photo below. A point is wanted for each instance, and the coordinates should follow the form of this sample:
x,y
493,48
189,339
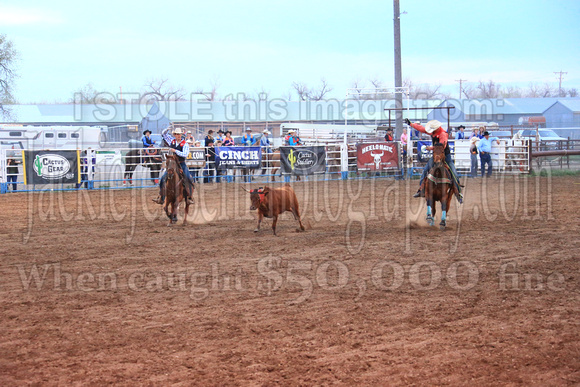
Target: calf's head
x,y
258,197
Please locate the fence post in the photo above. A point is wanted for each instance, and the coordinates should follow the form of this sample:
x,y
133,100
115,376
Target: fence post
x,y
344,161
3,172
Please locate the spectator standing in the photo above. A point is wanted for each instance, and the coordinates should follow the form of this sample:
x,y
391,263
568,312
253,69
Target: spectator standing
x,y
473,152
208,138
220,136
473,134
460,134
12,172
294,139
389,136
484,147
228,140
248,139
219,170
481,132
147,140
88,155
265,142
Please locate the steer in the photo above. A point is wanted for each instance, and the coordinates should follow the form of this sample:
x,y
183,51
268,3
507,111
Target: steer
x,y
271,202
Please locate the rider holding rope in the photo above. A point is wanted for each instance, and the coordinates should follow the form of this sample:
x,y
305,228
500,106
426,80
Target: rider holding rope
x,y
438,135
180,147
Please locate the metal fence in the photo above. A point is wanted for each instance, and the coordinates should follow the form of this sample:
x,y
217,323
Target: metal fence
x,y
106,168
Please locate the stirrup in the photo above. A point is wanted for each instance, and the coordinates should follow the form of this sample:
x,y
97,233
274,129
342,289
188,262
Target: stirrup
x,y
159,200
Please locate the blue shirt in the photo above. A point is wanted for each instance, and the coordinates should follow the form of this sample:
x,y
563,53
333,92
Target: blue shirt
x,y
147,142
249,140
459,136
292,141
485,145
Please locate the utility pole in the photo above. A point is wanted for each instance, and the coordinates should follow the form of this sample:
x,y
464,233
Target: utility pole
x,y
560,73
460,85
398,71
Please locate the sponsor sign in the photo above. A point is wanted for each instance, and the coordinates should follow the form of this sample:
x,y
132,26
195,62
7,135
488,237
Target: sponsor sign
x,y
196,158
238,157
306,160
377,156
51,167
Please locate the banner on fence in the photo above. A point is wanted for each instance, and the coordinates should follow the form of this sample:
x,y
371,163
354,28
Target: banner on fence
x,y
238,157
306,160
196,158
377,156
51,167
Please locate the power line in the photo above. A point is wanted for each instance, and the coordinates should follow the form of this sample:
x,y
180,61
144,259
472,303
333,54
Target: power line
x,y
560,73
461,86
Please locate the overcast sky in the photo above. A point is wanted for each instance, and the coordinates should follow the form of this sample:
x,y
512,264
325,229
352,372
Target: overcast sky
x,y
255,45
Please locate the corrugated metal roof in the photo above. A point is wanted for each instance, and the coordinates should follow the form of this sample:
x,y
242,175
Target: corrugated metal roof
x,y
572,104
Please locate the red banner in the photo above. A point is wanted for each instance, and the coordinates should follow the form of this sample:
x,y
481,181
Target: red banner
x,y
377,156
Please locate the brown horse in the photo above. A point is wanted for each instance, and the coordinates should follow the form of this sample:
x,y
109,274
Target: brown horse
x,y
438,187
175,191
149,158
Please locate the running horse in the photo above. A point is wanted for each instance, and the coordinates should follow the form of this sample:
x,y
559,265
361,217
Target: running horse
x,y
147,157
438,187
175,191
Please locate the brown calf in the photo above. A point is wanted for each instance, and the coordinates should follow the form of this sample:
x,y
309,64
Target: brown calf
x,y
271,202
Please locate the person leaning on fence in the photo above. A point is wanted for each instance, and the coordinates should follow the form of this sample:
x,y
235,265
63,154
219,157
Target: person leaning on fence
x,y
389,136
179,146
12,172
294,139
248,139
208,138
460,134
473,152
265,142
484,147
147,140
438,136
228,140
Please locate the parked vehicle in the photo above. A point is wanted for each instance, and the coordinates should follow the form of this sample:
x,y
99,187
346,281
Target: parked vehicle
x,y
541,135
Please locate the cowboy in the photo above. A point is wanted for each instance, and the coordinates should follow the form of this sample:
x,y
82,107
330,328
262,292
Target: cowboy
x,y
288,136
265,142
438,136
180,147
220,136
294,139
460,134
389,135
248,139
147,140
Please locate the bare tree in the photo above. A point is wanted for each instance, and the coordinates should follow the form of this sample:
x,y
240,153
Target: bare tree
x,y
511,92
8,56
211,94
320,93
160,89
488,89
302,90
572,92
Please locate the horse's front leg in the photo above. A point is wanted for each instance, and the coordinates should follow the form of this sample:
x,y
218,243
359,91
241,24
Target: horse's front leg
x,y
430,209
445,203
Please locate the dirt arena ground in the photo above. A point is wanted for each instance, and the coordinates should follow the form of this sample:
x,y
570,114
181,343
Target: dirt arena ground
x,y
95,288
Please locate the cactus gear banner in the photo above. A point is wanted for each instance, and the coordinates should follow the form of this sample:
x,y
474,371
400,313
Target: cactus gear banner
x,y
304,160
51,167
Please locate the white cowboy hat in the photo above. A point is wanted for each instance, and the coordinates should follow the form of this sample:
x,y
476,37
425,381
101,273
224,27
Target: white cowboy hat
x,y
248,128
291,131
432,126
474,139
266,131
177,131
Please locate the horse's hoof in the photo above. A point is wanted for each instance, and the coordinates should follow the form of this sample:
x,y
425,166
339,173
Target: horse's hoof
x,y
256,230
430,221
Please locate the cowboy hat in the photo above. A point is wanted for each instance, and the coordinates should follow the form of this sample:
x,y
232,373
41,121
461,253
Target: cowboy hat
x,y
177,131
486,133
248,128
266,131
432,126
460,126
146,131
291,131
474,139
